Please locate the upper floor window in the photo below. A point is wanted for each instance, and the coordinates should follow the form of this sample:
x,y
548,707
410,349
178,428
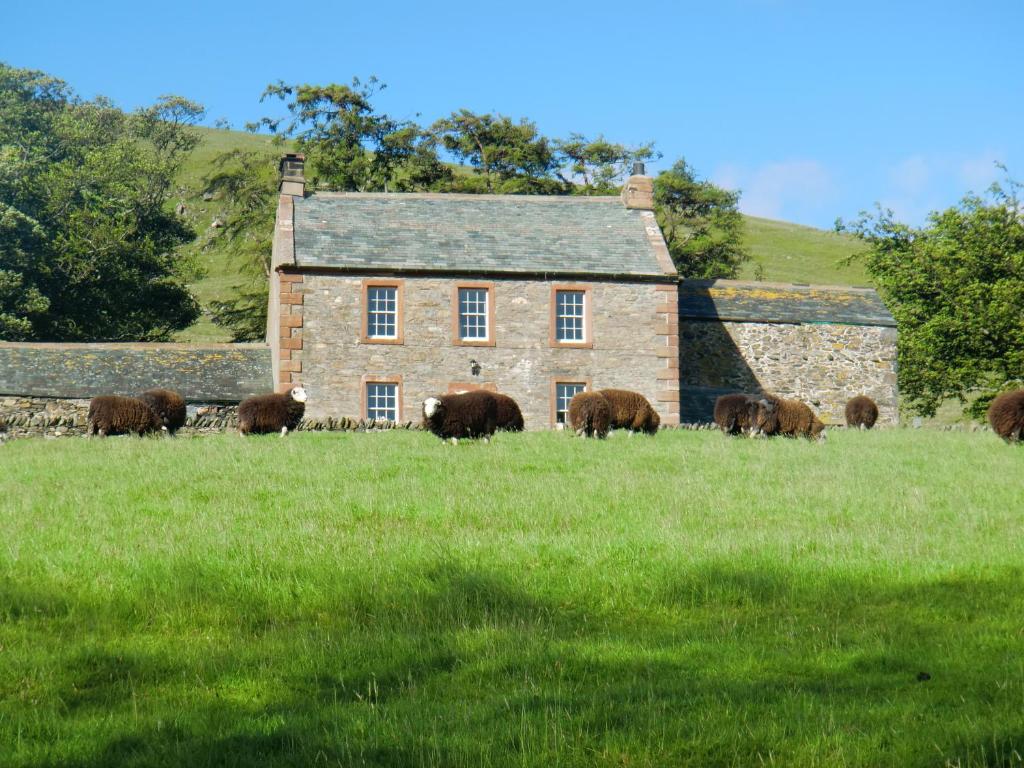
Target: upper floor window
x,y
473,317
382,312
570,316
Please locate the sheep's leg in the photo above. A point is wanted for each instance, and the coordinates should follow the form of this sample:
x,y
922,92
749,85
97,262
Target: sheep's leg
x,y
455,441
487,439
284,431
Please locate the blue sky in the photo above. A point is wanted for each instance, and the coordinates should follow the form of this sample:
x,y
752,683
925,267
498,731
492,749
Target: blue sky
x,y
813,109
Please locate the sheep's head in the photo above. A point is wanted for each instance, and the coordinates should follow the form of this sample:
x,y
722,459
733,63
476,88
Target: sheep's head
x,y
432,406
298,394
763,416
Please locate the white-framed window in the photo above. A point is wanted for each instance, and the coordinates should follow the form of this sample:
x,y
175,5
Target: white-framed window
x,y
382,312
473,314
382,400
564,392
570,316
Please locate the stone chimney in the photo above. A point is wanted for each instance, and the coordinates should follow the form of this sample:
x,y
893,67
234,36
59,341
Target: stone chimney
x,y
638,191
293,179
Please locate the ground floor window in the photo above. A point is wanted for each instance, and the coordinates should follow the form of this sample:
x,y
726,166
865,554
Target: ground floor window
x,y
564,392
382,400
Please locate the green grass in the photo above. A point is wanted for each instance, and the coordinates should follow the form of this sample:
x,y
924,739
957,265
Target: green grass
x,y
381,599
791,253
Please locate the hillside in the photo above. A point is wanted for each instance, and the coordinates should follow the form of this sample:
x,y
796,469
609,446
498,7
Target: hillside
x,y
781,252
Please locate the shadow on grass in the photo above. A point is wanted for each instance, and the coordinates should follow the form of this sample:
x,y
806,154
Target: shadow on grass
x,y
455,665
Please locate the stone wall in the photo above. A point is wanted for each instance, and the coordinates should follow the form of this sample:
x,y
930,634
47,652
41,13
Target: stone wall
x,y
52,417
634,329
822,364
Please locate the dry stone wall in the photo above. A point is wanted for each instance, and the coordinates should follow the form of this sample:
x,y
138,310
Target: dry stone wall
x,y
822,364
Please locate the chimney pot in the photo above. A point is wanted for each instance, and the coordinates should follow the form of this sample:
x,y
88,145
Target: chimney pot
x,y
638,168
292,171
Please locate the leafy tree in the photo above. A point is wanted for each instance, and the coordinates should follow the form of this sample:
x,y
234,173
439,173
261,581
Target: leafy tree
x,y
598,166
87,240
246,182
509,157
956,289
348,145
701,224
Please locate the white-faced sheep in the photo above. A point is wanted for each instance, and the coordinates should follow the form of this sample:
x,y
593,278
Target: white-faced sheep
x,y
774,415
1006,416
278,412
169,406
733,413
861,412
630,410
116,415
510,418
467,414
589,414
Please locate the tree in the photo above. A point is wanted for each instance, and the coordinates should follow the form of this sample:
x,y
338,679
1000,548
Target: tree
x,y
348,145
956,289
509,157
246,182
598,166
87,238
701,224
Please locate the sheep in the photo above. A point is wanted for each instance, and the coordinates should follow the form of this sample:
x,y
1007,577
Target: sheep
x,y
772,415
1006,416
169,406
510,418
733,413
116,415
630,410
467,414
276,412
861,412
589,414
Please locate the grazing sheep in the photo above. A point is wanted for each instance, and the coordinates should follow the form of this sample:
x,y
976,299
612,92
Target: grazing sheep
x,y
278,412
589,414
772,415
861,412
733,413
1006,415
510,418
169,406
116,415
467,414
630,410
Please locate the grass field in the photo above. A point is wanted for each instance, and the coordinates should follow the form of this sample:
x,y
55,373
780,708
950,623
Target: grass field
x,y
381,599
780,251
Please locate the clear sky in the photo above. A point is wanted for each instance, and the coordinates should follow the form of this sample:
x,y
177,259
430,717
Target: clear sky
x,y
813,109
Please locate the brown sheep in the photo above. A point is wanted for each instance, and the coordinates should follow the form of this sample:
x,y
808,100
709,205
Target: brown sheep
x,y
589,414
277,412
510,418
733,413
772,415
630,410
169,406
861,412
467,414
1006,416
116,415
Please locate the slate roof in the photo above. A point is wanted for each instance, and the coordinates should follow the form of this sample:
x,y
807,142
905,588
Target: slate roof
x,y
781,303
214,373
473,233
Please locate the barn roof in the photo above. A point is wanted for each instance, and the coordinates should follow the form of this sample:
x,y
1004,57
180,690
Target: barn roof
x,y
757,302
477,233
212,373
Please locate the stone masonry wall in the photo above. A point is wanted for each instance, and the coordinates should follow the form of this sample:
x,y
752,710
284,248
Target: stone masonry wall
x,y
634,345
822,364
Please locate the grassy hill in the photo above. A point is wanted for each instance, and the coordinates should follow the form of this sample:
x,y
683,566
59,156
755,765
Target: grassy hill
x,y
384,600
781,252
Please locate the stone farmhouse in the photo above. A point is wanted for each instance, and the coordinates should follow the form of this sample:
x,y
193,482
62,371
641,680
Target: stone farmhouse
x,y
379,300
